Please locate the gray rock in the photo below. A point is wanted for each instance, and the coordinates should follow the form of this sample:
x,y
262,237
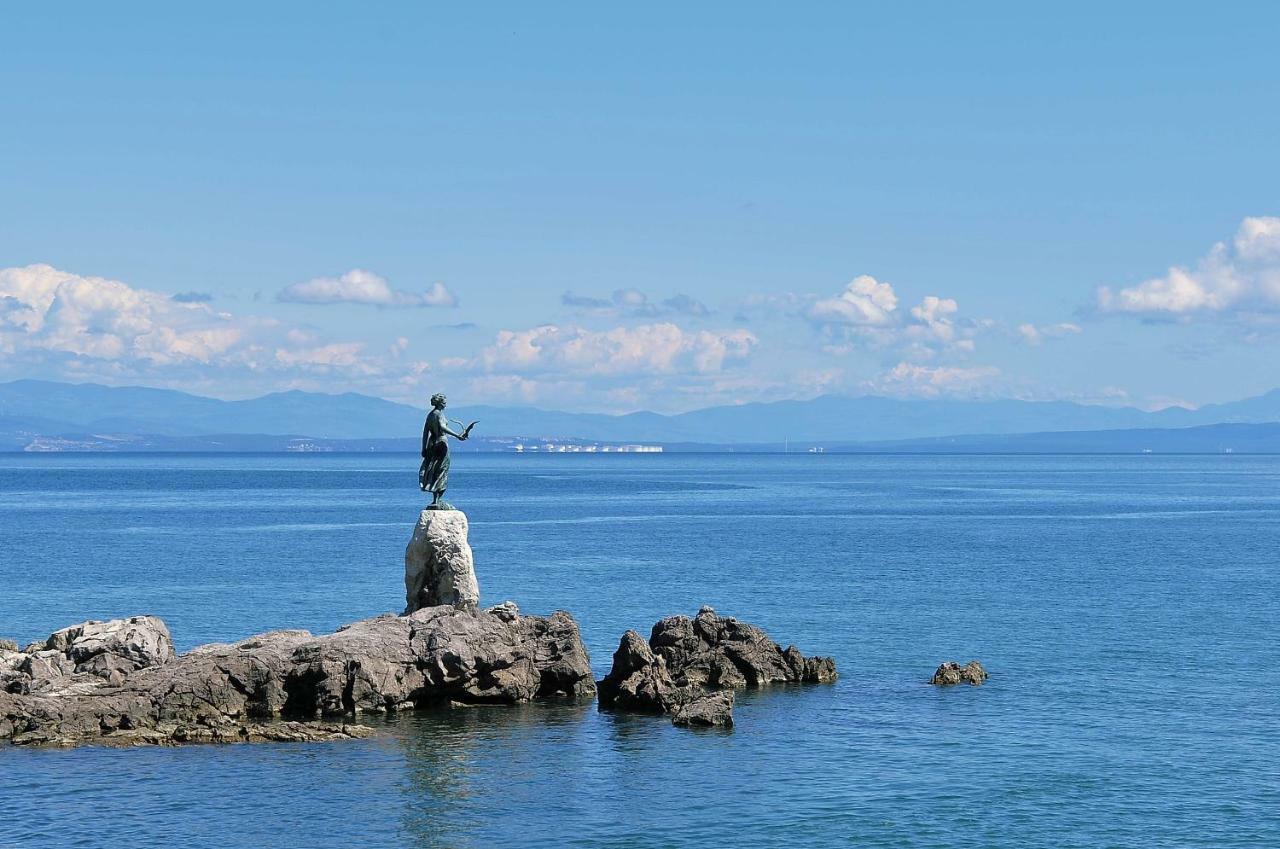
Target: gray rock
x,y
11,676
685,661
638,681
250,690
43,669
106,650
719,651
438,564
140,641
113,649
707,711
8,646
950,673
507,611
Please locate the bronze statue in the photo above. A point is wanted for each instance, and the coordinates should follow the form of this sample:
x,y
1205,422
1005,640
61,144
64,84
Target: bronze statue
x,y
433,475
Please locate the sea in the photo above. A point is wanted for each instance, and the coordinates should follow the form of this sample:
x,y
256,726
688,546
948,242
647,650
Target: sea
x,y
1126,607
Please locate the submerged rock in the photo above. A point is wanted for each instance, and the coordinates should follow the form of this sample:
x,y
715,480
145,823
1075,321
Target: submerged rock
x,y
951,672
438,564
141,693
686,659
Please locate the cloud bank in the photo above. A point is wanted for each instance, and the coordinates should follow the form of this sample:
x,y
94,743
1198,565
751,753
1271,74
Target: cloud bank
x,y
1035,335
648,349
82,327
866,315
358,286
634,303
1236,276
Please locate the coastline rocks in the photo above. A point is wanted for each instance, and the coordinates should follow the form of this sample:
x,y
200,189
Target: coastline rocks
x,y
719,651
950,673
249,691
686,661
638,681
708,711
106,650
438,564
113,649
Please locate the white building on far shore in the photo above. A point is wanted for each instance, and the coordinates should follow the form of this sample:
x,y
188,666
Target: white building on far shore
x,y
582,448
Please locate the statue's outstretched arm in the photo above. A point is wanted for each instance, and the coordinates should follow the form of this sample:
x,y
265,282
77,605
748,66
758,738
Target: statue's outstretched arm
x,y
466,432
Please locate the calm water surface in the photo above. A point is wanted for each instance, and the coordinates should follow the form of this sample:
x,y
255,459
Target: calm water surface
x,y
1127,608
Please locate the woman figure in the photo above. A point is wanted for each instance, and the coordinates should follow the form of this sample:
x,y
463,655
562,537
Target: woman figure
x,y
433,475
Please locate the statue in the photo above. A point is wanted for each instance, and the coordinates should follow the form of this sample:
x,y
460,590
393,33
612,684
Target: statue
x,y
433,475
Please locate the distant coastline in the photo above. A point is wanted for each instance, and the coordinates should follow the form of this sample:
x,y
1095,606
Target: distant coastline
x,y
45,416
1263,438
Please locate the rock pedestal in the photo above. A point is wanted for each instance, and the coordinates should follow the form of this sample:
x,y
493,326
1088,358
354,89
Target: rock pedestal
x,y
438,566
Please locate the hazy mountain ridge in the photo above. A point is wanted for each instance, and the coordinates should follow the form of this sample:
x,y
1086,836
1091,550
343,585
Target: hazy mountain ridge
x,y
1242,438
30,408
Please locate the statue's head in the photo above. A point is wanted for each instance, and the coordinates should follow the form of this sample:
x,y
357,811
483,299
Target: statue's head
x,y
438,401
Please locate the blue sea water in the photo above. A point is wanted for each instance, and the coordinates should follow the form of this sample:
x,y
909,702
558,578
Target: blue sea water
x,y
1126,607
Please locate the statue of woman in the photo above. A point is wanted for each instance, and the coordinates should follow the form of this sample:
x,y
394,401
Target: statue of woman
x,y
433,475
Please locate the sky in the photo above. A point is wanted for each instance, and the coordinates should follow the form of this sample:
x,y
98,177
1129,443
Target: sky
x,y
657,206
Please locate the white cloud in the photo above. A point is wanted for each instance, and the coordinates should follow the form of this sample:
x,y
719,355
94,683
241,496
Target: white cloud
x,y
1036,334
652,366
663,348
336,354
1240,276
933,319
1258,239
62,325
364,287
93,317
864,302
909,379
866,315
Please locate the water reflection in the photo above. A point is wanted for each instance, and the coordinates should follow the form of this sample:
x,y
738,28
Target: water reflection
x,y
472,774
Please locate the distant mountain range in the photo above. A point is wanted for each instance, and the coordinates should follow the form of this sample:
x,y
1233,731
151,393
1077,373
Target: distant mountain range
x,y
1263,438
50,414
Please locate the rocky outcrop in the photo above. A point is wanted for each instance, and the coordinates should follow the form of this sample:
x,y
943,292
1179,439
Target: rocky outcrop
x,y
438,564
284,685
687,661
951,672
720,652
104,650
706,711
638,681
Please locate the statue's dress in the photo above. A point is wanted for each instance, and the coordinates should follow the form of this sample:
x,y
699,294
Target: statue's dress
x,y
433,475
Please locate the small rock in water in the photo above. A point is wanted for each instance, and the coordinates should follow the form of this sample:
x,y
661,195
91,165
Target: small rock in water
x,y
707,711
953,673
686,661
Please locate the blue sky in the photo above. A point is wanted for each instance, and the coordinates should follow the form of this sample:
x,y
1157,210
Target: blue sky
x,y
662,206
